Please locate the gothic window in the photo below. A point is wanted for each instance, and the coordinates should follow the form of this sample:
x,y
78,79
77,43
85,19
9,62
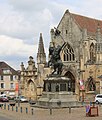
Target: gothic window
x,y
68,53
91,84
92,52
30,85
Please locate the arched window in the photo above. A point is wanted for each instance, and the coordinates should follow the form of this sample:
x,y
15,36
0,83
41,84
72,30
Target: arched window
x,y
68,53
91,84
92,52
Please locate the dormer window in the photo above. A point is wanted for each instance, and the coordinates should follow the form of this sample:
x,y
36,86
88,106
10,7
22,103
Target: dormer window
x,y
6,71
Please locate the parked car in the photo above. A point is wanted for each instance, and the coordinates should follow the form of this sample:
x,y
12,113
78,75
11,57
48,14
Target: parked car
x,y
32,102
21,99
98,98
12,101
4,99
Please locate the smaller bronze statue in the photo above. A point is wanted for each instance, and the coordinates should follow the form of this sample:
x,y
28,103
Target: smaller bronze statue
x,y
55,59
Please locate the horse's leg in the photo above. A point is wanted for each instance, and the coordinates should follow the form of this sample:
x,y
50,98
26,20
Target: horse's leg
x,y
60,68
54,69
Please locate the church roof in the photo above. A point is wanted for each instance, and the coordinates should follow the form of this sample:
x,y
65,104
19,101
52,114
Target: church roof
x,y
89,23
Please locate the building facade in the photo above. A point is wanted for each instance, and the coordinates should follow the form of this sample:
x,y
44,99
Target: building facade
x,y
9,79
31,82
81,56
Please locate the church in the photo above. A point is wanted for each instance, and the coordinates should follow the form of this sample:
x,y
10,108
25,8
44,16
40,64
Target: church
x,y
81,56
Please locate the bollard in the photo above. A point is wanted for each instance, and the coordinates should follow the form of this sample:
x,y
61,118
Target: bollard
x,y
8,107
26,110
32,111
1,106
12,108
50,111
16,109
69,109
99,104
18,103
21,109
5,106
90,103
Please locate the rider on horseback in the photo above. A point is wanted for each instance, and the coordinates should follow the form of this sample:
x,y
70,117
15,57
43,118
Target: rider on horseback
x,y
55,59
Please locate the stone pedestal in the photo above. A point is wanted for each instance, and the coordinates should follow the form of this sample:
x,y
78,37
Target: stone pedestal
x,y
57,93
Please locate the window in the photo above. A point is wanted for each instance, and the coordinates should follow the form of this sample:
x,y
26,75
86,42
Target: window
x,y
92,52
6,71
2,85
63,87
12,85
99,96
91,84
11,77
1,77
68,53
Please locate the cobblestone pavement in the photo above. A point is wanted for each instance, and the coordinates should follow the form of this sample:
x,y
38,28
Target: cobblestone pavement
x,y
44,114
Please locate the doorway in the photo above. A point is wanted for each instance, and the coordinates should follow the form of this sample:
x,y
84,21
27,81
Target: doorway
x,y
71,82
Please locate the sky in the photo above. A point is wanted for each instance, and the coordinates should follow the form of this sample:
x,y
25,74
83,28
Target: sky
x,y
22,21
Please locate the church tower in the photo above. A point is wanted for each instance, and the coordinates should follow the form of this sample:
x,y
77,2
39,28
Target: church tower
x,y
41,56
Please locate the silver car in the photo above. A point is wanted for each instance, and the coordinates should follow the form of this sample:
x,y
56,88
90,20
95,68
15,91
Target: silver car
x,y
98,98
21,99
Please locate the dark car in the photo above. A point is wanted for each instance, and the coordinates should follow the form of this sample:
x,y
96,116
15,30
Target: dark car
x,y
32,102
4,99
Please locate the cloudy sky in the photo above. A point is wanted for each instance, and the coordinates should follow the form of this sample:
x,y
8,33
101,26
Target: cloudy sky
x,y
21,22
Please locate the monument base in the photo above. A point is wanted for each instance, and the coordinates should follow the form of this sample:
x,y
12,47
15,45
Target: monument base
x,y
56,93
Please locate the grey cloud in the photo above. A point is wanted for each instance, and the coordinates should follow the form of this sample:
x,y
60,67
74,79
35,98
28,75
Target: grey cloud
x,y
25,19
29,5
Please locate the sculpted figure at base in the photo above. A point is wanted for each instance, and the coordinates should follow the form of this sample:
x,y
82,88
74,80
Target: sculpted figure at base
x,y
55,59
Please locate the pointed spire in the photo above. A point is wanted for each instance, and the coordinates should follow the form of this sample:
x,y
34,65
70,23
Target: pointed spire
x,y
41,45
41,57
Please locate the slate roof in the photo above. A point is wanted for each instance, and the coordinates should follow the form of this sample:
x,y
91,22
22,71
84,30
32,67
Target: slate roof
x,y
5,66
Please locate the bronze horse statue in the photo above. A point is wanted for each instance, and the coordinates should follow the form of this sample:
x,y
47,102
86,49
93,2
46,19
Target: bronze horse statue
x,y
55,59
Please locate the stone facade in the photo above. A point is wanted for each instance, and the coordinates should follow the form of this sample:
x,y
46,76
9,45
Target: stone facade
x,y
81,56
31,84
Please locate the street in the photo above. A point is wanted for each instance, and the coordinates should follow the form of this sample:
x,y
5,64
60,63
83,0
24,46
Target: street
x,y
46,114
3,118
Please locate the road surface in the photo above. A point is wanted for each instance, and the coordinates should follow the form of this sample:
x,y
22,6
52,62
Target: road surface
x,y
3,118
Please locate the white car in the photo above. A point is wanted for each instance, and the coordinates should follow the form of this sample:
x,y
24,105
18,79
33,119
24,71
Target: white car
x,y
98,98
21,99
